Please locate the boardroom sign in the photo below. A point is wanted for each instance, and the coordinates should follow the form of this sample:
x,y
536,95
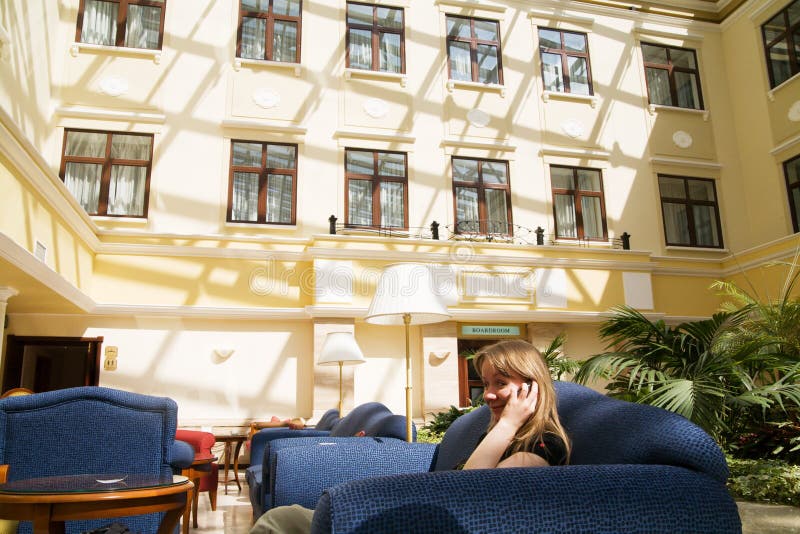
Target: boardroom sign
x,y
490,330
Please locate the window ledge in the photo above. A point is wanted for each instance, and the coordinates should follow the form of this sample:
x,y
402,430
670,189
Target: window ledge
x,y
657,108
256,225
698,249
122,219
401,78
461,84
582,243
76,48
771,92
590,99
240,62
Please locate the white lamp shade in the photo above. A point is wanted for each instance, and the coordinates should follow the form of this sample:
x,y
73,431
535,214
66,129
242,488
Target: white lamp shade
x,y
406,288
340,347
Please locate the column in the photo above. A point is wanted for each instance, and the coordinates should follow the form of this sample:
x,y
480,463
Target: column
x,y
439,367
5,294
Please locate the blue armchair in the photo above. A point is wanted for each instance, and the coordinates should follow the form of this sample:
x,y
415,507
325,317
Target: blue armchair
x,y
88,430
634,468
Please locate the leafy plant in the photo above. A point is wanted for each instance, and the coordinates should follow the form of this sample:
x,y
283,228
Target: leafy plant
x,y
557,362
442,420
769,481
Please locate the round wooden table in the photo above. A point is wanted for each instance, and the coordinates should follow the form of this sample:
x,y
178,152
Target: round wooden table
x,y
50,501
231,458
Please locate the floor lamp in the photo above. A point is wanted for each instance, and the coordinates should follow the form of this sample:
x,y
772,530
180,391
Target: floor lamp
x,y
340,348
405,296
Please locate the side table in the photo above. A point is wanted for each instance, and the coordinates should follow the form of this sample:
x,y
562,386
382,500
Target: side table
x,y
200,467
231,441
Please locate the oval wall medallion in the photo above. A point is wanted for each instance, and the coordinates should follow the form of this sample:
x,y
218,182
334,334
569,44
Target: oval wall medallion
x,y
266,98
572,128
478,118
794,112
682,139
113,86
375,108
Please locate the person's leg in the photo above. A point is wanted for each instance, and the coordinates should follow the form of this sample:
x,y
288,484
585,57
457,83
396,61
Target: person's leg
x,y
292,519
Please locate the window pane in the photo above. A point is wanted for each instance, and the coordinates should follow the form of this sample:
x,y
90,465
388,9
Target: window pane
x,y
496,211
130,147
279,198
779,62
551,72
486,30
83,181
549,39
359,199
245,197
578,76
99,23
592,218
562,178
494,172
686,85
574,42
566,225
281,157
705,221
392,204
458,27
467,210
658,87
359,14
360,49
284,41
126,190
390,53
86,144
460,62
247,154
390,18
682,58
588,180
796,201
794,13
654,54
676,224
256,5
142,27
391,164
487,64
286,7
775,27
793,171
671,187
360,162
465,170
701,190
254,32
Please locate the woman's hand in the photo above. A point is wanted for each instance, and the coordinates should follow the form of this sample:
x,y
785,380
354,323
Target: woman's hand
x,y
521,405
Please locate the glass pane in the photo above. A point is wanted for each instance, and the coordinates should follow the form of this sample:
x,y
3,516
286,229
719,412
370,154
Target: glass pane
x,y
284,41
390,18
360,162
247,154
245,197
286,7
578,76
775,27
359,199
575,42
682,58
794,13
99,23
592,218
130,147
551,72
465,170
494,172
390,53
686,86
562,178
360,49
496,211
391,164
705,221
654,54
566,225
486,30
701,190
796,202
359,14
126,190
279,198
458,27
549,39
460,61
83,181
86,144
793,171
671,187
467,210
254,35
658,86
676,224
588,180
779,62
142,27
392,205
487,64
281,157
256,5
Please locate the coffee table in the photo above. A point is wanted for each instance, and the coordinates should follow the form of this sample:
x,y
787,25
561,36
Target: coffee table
x,y
229,440
50,501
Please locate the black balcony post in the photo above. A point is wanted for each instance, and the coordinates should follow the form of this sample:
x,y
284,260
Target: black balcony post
x,y
539,235
435,230
626,241
332,224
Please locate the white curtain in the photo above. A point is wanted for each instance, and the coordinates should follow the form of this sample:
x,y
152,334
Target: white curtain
x,y
83,179
244,205
467,210
658,86
279,198
390,53
705,226
360,48
142,28
99,23
592,217
127,186
496,211
284,41
566,224
359,201
254,33
392,204
460,62
676,224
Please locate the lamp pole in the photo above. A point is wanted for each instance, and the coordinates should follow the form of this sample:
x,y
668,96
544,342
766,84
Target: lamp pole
x,y
341,403
407,323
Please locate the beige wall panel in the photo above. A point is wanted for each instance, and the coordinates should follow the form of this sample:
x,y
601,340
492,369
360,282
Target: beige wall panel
x,y
377,104
467,110
439,367
572,124
667,135
685,296
275,94
784,111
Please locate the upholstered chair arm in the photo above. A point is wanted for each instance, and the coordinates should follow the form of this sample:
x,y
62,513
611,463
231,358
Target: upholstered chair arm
x,y
181,456
260,439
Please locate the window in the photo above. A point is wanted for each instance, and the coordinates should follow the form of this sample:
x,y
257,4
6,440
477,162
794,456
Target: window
x,y
473,50
565,62
482,196
269,29
375,38
578,203
782,44
263,182
791,170
129,23
108,173
376,189
689,208
672,76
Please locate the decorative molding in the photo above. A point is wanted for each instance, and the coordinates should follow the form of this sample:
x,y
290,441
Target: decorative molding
x,y
786,83
573,128
478,118
663,160
580,153
484,145
266,98
452,85
350,73
785,145
479,5
641,29
682,139
239,62
375,136
125,249
558,95
77,48
6,293
252,124
205,312
794,112
375,108
657,108
113,85
83,112
552,16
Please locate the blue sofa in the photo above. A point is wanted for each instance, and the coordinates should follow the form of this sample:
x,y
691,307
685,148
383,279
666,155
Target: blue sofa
x,y
91,430
634,468
372,418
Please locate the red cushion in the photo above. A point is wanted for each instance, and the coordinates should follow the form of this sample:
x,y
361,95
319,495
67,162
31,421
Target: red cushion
x,y
201,442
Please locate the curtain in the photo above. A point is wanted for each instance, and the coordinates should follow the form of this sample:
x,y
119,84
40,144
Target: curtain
x,y
359,201
566,225
126,190
284,41
496,211
705,223
99,23
390,60
83,179
658,86
244,205
686,85
592,217
676,224
467,210
279,198
460,62
254,38
142,27
360,49
392,205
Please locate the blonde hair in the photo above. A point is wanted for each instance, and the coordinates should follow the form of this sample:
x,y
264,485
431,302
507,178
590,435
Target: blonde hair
x,y
522,358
